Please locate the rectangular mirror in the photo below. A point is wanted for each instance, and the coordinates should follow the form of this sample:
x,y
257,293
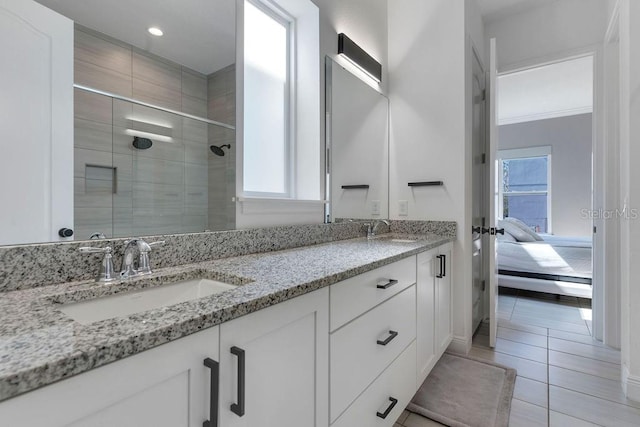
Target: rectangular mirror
x,y
153,120
357,142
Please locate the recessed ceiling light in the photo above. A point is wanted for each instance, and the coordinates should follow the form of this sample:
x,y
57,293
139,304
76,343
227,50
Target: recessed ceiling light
x,y
155,31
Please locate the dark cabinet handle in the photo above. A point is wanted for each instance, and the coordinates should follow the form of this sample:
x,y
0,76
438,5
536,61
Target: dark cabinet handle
x,y
238,408
426,184
444,266
213,395
440,258
356,187
387,411
390,283
392,335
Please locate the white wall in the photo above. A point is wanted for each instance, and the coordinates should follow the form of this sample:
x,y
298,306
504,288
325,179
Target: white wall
x,y
570,141
548,31
430,137
365,22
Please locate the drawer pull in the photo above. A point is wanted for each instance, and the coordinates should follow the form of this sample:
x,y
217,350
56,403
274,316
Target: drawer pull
x,y
238,408
387,411
441,258
392,335
213,402
382,285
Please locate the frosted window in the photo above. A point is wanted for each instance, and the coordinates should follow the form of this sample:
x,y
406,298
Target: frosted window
x,y
266,95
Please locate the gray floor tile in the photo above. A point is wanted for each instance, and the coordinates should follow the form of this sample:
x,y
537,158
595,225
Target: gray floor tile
x,y
525,414
585,350
557,419
592,385
592,409
584,365
522,337
531,391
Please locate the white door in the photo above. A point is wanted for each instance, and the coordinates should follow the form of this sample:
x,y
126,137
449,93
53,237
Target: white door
x,y
493,170
36,122
274,367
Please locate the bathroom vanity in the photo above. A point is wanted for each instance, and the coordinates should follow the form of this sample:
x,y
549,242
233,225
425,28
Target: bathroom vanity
x,y
340,333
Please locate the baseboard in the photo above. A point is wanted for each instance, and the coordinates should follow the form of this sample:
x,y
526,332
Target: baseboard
x,y
460,345
630,384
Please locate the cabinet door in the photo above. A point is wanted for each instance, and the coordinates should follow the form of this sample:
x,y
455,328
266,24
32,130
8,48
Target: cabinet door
x,y
167,386
277,374
425,338
444,323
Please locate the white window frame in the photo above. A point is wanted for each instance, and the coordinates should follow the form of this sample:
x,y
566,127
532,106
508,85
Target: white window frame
x,y
526,153
281,16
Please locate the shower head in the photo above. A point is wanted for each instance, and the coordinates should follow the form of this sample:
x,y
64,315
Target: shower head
x,y
142,143
218,150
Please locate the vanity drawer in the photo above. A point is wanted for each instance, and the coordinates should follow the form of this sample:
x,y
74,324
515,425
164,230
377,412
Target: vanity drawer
x,y
361,350
352,297
398,381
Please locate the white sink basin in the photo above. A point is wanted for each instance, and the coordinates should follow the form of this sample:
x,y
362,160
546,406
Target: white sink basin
x,y
97,309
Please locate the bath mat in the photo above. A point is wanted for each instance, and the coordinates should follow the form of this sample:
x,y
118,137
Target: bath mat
x,y
466,392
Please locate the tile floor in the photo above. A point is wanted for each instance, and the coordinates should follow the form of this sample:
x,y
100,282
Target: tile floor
x,y
565,378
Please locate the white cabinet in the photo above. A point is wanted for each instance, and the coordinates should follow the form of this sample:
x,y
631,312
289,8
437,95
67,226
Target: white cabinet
x,y
274,365
425,331
434,308
354,296
364,348
382,402
444,299
167,386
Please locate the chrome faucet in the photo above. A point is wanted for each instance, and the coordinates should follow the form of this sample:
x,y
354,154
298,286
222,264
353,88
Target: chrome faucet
x,y
106,272
372,227
142,249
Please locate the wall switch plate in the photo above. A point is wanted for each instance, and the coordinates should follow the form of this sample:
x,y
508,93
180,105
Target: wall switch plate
x,y
403,208
375,207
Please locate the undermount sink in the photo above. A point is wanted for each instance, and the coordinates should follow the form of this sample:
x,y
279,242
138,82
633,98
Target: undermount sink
x,y
395,239
125,304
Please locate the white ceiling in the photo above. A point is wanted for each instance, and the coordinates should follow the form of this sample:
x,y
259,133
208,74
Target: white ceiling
x,y
555,90
199,34
496,9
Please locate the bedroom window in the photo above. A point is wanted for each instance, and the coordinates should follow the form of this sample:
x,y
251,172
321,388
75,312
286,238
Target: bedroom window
x,y
525,187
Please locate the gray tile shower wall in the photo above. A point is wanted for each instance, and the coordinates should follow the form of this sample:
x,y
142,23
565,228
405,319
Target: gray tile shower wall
x,y
29,266
135,197
221,87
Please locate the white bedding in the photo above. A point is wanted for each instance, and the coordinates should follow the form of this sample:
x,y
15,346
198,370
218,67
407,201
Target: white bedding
x,y
545,258
578,242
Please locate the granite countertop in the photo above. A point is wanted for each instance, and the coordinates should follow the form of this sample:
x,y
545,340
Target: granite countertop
x,y
40,345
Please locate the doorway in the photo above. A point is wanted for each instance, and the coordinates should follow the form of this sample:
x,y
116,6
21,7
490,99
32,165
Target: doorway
x,y
544,189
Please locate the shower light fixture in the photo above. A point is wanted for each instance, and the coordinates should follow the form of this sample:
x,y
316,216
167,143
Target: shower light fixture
x,y
359,57
155,31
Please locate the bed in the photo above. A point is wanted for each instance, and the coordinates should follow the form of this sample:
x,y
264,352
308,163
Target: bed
x,y
546,263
